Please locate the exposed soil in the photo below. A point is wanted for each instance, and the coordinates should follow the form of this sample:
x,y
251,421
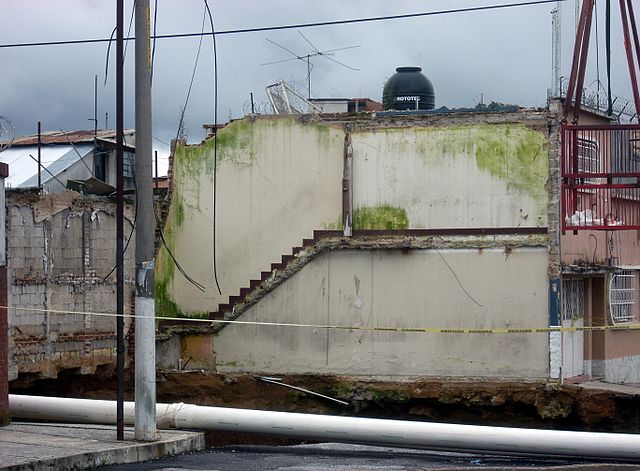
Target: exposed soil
x,y
534,405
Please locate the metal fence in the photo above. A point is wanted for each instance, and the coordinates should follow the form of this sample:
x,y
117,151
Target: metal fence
x,y
600,168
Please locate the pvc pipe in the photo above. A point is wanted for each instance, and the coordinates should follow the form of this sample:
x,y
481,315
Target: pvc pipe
x,y
381,432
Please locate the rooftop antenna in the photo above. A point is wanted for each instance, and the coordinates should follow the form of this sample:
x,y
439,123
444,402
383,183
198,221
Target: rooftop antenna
x,y
307,58
7,133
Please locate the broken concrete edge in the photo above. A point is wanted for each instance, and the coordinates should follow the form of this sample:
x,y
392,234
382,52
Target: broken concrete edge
x,y
133,452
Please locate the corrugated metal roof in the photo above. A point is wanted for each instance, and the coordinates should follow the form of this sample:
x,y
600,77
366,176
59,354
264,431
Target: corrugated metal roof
x,y
75,137
23,170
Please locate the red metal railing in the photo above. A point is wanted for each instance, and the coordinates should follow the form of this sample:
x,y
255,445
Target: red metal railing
x,y
600,168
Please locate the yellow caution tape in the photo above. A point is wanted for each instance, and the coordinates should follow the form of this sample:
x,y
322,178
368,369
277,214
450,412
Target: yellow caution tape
x,y
427,330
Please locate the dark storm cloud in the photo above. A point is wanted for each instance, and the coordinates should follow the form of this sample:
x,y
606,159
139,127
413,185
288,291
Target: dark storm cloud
x,y
503,54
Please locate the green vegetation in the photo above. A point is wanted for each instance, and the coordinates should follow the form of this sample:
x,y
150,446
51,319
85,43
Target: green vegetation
x,y
165,306
380,217
511,152
515,154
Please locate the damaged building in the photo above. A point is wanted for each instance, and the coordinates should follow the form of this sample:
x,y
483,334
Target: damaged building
x,y
396,245
60,269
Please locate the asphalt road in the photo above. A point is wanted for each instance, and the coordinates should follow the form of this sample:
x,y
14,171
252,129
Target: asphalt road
x,y
340,457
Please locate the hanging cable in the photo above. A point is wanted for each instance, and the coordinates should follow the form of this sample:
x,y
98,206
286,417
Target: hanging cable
x,y
106,62
298,25
155,27
180,123
215,142
193,76
133,12
200,286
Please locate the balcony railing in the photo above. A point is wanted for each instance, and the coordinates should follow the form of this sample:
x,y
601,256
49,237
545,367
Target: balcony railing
x,y
600,168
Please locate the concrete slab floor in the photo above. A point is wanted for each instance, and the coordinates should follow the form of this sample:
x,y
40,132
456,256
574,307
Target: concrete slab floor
x,y
631,389
31,446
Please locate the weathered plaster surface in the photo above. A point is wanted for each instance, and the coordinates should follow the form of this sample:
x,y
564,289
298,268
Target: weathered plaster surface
x,y
280,178
482,175
278,181
396,288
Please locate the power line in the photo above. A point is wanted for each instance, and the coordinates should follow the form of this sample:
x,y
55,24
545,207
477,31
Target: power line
x,y
215,144
292,26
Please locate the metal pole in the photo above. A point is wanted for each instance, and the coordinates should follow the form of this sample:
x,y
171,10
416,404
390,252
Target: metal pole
x,y
95,106
253,110
145,356
5,416
309,77
156,165
119,217
39,155
628,46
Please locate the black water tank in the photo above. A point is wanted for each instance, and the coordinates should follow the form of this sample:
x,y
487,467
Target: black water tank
x,y
407,87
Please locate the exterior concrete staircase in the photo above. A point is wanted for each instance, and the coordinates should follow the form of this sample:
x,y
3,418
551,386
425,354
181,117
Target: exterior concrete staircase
x,y
227,309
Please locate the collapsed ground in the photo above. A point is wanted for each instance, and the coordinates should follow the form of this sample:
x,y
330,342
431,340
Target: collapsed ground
x,y
513,404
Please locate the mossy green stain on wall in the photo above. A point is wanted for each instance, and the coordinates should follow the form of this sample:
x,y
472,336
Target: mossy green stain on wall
x,y
380,217
515,154
165,266
511,152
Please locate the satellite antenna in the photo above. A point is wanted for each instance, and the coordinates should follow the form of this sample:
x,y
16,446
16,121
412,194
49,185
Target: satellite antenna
x,y
307,58
7,133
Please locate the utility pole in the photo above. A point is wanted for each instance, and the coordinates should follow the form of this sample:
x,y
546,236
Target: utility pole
x,y
145,356
119,218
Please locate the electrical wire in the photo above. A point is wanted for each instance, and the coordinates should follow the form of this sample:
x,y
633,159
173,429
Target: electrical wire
x,y
133,12
200,286
106,62
456,277
133,228
155,27
193,76
66,135
293,26
180,124
215,143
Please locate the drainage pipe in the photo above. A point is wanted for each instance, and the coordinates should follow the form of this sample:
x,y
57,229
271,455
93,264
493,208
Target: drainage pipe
x,y
381,432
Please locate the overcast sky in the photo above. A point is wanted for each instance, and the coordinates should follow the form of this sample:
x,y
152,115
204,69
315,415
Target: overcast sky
x,y
503,54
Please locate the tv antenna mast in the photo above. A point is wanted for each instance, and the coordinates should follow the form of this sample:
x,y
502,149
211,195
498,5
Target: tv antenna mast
x,y
307,58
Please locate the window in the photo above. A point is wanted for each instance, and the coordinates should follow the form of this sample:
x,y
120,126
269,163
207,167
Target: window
x,y
588,158
128,164
572,299
634,145
623,296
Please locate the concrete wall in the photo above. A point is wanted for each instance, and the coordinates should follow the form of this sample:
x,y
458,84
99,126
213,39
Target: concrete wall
x,y
278,179
476,175
60,248
592,247
395,288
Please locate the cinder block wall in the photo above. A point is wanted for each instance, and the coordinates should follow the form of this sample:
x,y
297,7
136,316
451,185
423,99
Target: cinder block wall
x,y
61,250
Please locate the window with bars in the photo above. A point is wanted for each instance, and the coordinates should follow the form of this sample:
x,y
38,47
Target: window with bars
x,y
623,296
572,298
588,158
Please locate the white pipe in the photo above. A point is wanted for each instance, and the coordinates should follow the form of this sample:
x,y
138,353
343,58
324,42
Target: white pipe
x,y
434,436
